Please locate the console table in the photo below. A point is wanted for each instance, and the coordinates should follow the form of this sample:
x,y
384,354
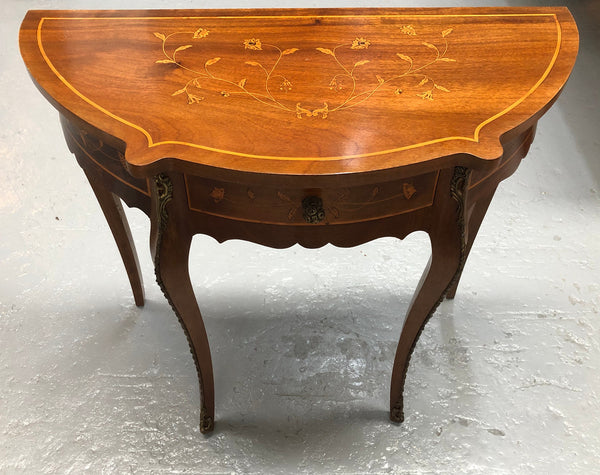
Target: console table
x,y
305,127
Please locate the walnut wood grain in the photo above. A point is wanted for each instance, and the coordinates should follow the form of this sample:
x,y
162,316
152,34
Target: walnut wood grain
x,y
495,83
307,127
116,219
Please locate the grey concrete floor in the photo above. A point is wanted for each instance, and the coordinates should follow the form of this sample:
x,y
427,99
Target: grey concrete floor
x,y
505,378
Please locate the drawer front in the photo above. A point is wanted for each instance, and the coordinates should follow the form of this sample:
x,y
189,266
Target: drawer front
x,y
95,153
310,206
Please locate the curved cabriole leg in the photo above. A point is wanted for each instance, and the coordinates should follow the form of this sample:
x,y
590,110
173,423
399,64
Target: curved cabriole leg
x,y
475,219
448,252
170,245
117,221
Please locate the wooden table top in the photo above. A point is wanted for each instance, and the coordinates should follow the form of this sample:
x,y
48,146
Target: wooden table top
x,y
303,91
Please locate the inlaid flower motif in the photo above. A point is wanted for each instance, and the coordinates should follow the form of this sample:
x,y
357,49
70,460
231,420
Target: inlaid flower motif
x,y
334,85
253,43
409,67
285,85
201,33
360,43
428,95
217,194
408,30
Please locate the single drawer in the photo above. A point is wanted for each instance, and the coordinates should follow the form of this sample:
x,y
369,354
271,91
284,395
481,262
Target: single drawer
x,y
310,206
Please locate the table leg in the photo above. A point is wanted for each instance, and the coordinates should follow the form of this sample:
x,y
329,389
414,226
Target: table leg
x,y
170,245
117,221
476,217
448,252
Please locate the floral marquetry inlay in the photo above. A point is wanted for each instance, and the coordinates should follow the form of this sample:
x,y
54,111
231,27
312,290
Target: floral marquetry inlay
x,y
289,205
217,194
326,91
410,72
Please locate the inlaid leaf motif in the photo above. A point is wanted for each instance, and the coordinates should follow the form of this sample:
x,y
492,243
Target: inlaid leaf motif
x,y
194,99
343,194
181,48
408,190
212,61
326,51
283,197
427,95
412,70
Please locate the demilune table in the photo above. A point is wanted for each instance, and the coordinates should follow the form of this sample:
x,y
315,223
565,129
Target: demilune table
x,y
305,127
